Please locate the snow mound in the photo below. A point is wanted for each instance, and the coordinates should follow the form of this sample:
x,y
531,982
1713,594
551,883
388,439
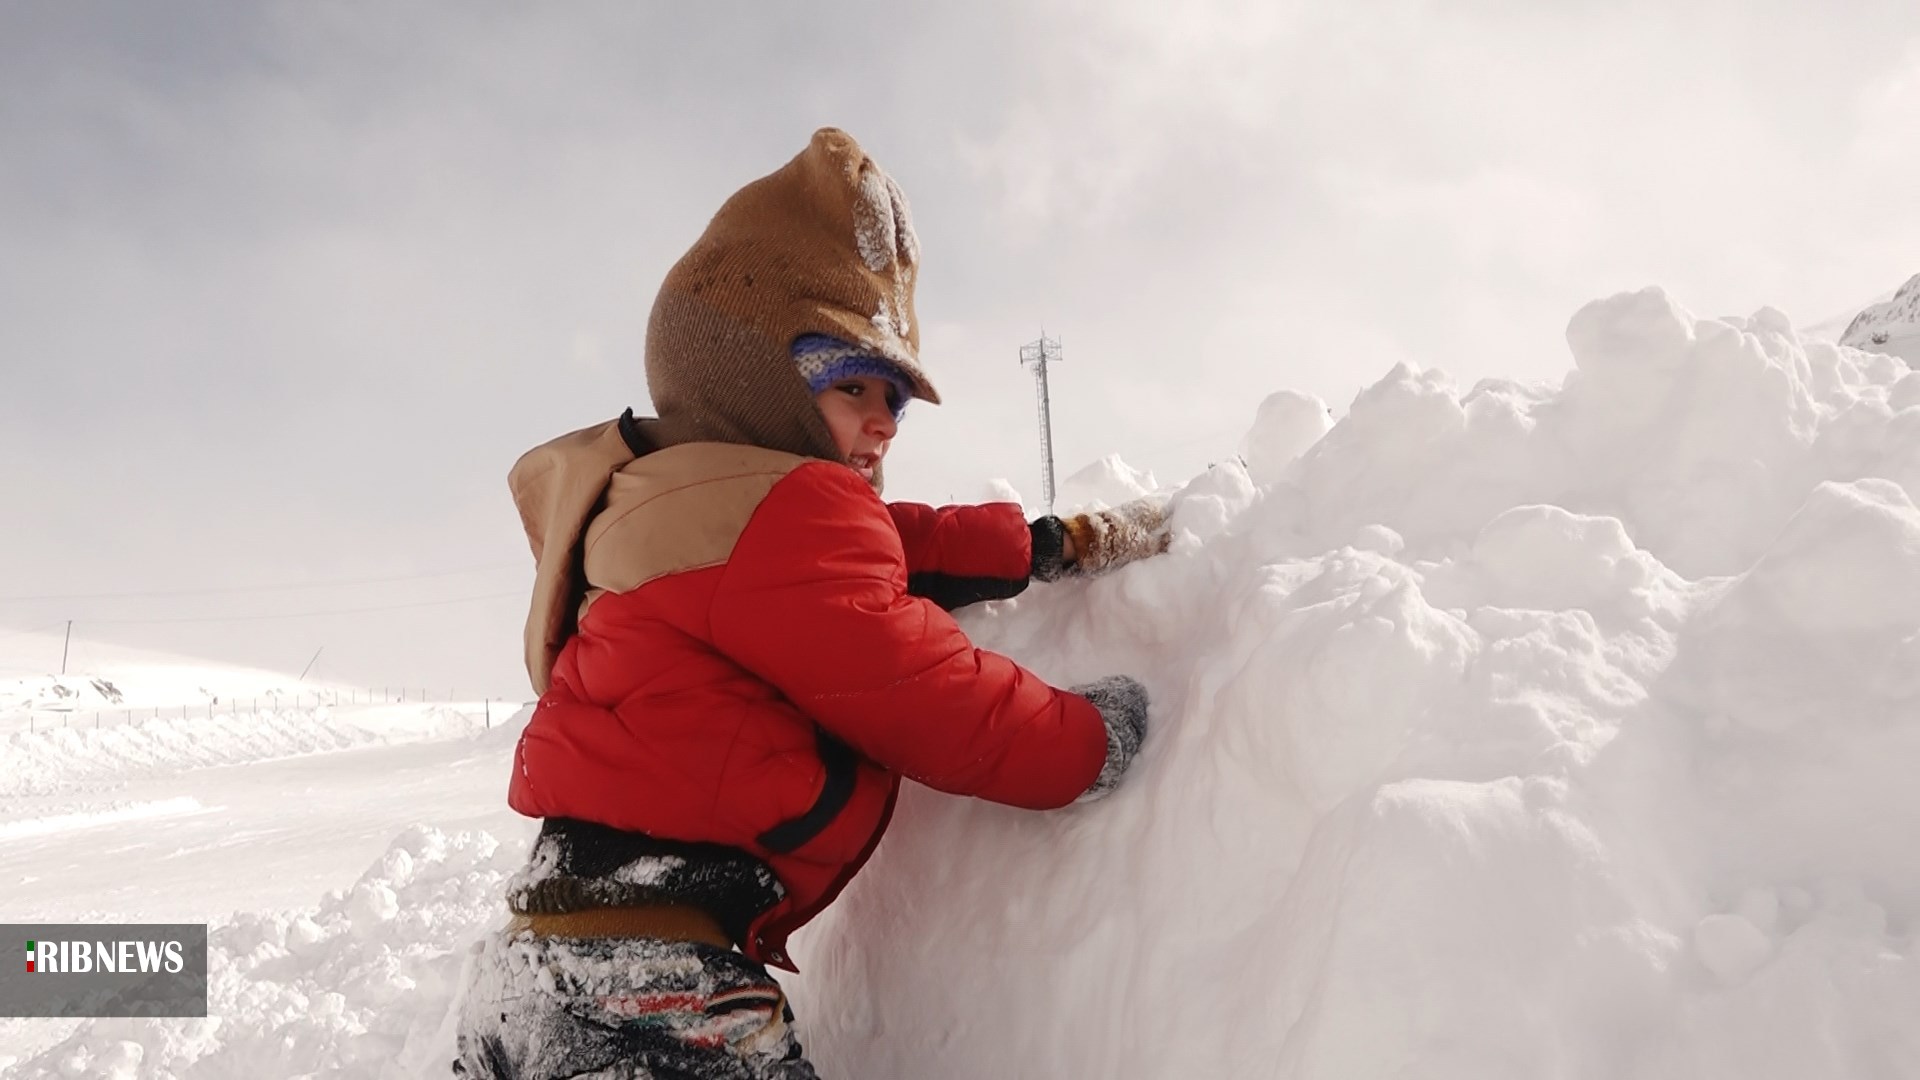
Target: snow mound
x,y
1286,424
362,985
1889,327
1107,482
61,759
1532,731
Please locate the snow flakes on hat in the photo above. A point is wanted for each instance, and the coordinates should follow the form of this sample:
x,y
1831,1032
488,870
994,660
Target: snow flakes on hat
x,y
883,234
883,223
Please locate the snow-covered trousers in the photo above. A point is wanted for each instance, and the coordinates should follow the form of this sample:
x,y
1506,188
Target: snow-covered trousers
x,y
623,1009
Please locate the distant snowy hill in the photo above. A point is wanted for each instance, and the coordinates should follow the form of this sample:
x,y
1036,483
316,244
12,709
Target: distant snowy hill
x,y
127,712
120,677
115,681
1891,327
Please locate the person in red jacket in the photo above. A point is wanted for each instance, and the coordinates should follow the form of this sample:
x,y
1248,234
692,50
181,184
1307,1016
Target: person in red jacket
x,y
741,650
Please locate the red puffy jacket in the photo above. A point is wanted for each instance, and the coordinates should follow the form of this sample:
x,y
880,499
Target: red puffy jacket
x,y
749,669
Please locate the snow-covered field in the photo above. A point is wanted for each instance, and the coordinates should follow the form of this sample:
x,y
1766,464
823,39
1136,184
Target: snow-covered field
x,y
1532,731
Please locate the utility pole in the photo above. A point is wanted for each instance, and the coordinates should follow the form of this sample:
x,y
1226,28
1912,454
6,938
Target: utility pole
x,y
1037,355
65,646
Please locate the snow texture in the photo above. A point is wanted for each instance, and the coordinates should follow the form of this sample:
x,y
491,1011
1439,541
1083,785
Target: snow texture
x,y
1107,482
62,759
1286,424
1533,731
358,986
623,1008
883,233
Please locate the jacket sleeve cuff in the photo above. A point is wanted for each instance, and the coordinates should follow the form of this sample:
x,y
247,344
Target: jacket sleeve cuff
x,y
1049,549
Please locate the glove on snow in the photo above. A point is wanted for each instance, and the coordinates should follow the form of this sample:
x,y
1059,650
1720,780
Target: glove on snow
x,y
1123,706
1103,540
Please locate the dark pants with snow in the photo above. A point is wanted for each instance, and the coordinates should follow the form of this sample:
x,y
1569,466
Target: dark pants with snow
x,y
623,1009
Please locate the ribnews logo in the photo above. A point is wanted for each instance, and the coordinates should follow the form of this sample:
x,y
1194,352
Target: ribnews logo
x,y
84,957
141,969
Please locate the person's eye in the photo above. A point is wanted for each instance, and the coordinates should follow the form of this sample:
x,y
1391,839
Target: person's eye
x,y
852,389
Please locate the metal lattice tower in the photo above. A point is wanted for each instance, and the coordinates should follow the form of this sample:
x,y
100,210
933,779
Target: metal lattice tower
x,y
1038,355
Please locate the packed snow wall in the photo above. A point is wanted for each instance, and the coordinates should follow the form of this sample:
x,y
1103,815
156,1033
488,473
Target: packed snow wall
x,y
1536,731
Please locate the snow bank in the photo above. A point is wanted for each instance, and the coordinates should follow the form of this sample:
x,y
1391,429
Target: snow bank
x,y
63,759
1536,731
360,986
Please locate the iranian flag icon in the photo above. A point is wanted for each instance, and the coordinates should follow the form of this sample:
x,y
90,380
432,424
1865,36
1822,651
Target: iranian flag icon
x,y
29,957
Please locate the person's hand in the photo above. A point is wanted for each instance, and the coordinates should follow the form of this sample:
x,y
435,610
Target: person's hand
x,y
1123,708
1103,540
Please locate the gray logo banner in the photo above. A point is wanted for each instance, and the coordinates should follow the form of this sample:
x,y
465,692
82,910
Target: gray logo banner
x,y
103,969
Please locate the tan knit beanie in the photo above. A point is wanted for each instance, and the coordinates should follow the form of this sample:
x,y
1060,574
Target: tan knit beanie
x,y
824,245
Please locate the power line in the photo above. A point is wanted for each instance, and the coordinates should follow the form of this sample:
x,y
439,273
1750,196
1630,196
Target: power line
x,y
284,586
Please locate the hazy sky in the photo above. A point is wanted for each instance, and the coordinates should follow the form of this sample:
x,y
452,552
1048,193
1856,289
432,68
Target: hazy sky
x,y
285,288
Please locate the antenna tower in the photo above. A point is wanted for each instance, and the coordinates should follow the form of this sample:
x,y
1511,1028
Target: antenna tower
x,y
1037,355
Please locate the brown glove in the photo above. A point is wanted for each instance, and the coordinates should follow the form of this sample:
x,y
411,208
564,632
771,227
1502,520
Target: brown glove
x,y
1104,540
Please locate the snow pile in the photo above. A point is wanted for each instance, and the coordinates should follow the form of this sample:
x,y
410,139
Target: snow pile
x,y
62,758
1107,482
1286,424
1536,731
1890,327
360,986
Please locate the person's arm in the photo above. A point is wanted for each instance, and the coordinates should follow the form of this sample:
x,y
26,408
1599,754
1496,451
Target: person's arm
x,y
960,555
814,602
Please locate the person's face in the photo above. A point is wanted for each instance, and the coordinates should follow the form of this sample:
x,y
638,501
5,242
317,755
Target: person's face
x,y
861,420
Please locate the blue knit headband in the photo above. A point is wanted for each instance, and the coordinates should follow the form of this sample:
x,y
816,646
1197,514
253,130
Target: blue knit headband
x,y
824,360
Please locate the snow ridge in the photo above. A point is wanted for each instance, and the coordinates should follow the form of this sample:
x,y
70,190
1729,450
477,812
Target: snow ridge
x,y
1891,327
359,986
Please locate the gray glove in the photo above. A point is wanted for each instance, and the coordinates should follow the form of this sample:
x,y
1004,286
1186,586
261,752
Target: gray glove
x,y
1123,706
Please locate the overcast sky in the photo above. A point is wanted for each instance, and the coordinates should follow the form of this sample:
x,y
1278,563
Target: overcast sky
x,y
285,288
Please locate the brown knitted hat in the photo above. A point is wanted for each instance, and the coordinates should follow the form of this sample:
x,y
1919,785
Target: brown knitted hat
x,y
824,245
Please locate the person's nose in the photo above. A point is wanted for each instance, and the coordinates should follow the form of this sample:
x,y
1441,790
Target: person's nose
x,y
880,422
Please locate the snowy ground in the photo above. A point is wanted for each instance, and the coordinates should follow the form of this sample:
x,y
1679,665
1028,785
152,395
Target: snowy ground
x,y
1537,730
231,820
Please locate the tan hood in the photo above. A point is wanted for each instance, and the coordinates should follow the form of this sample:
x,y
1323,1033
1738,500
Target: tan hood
x,y
557,487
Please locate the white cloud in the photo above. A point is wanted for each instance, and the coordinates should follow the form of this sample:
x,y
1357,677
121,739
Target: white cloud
x,y
305,251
